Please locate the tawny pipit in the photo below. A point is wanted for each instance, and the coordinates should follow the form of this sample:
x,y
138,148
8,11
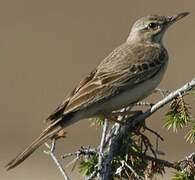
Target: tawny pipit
x,y
127,75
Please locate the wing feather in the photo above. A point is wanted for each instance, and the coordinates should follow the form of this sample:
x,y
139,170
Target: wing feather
x,y
111,77
110,85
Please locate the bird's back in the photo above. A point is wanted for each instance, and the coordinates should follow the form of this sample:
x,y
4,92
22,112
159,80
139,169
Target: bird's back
x,y
127,54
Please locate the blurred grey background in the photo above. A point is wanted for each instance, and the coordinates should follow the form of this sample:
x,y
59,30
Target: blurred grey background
x,y
47,46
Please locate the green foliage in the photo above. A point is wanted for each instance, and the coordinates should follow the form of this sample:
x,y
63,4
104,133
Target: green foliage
x,y
131,151
87,167
134,148
182,176
97,121
178,115
190,136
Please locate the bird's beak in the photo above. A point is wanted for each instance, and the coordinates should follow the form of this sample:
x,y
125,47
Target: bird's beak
x,y
174,18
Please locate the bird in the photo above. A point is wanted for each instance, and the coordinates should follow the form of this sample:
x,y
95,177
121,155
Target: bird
x,y
127,75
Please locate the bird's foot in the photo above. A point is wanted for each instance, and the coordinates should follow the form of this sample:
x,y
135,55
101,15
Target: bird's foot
x,y
114,119
61,134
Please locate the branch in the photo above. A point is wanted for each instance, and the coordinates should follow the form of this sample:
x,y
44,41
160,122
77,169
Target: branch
x,y
154,132
132,170
116,127
123,165
52,154
83,151
187,164
141,103
161,161
130,126
102,145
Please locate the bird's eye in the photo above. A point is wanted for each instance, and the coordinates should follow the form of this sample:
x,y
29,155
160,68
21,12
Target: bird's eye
x,y
152,25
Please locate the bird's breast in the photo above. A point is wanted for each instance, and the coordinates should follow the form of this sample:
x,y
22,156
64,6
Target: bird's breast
x,y
133,94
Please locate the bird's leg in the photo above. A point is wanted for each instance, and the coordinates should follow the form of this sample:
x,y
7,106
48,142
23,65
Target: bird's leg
x,y
112,118
61,134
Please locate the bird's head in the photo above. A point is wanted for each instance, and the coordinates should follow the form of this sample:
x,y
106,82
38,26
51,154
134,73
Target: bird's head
x,y
152,28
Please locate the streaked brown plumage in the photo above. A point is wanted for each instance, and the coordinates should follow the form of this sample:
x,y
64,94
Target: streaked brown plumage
x,y
127,75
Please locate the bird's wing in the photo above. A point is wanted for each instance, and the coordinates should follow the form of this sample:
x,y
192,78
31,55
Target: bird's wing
x,y
101,85
95,88
106,85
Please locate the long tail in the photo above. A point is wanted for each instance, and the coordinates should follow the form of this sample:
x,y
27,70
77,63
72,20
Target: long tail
x,y
44,136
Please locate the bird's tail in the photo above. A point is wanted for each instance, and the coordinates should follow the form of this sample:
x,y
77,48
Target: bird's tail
x,y
44,136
